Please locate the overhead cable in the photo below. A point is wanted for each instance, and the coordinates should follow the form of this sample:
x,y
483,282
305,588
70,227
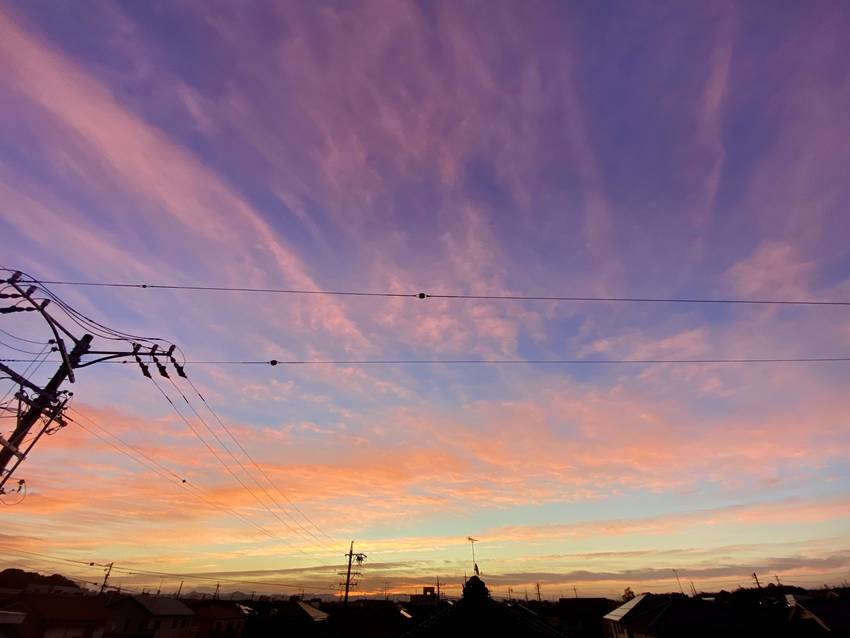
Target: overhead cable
x,y
230,470
458,296
498,362
256,465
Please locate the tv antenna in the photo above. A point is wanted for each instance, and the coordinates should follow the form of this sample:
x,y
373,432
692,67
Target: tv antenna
x,y
472,542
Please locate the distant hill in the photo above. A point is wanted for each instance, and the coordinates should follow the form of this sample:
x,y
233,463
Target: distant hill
x,y
19,579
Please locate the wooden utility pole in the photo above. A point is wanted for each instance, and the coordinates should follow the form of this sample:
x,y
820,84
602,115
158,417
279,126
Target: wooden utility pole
x,y
352,557
678,581
106,577
45,405
539,599
44,399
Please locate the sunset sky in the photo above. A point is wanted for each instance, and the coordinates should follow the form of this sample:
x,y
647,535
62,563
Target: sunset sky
x,y
681,149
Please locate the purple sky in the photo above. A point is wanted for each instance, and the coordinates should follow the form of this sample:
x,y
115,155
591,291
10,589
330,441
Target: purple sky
x,y
541,148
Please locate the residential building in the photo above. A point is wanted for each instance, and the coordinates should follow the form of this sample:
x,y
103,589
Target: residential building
x,y
148,616
477,614
217,618
427,597
54,615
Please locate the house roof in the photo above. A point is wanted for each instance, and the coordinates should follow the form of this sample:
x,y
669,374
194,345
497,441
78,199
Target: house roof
x,y
216,609
619,614
61,607
484,617
12,617
160,605
316,614
832,613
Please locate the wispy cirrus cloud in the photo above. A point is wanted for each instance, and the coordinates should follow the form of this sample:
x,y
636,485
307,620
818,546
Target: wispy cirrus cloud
x,y
448,148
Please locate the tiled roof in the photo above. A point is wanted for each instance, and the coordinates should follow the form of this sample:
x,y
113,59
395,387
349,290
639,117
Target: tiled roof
x,y
162,605
62,607
316,614
623,610
216,609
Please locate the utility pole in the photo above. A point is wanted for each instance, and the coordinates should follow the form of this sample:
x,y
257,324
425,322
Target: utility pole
x,y
777,580
679,581
179,590
438,588
359,558
756,579
539,599
106,577
45,398
46,404
575,591
693,589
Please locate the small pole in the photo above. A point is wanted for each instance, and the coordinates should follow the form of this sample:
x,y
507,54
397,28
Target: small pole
x,y
679,581
351,556
106,576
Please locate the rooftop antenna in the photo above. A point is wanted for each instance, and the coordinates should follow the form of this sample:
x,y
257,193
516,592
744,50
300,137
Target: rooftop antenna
x,y
472,542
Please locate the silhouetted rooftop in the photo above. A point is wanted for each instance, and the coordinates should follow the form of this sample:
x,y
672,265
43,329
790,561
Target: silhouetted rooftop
x,y
158,605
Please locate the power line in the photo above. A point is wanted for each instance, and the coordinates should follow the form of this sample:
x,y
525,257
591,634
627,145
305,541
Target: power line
x,y
16,349
40,359
87,563
256,465
576,362
169,475
146,572
425,295
249,474
14,336
229,469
